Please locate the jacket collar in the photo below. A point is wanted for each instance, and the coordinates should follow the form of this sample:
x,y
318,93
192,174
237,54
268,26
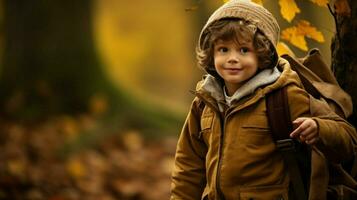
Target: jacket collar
x,y
211,91
263,78
211,86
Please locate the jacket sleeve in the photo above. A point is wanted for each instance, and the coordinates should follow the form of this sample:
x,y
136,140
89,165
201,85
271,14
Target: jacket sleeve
x,y
337,137
188,176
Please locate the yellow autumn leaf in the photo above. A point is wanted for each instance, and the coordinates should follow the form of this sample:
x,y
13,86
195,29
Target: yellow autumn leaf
x,y
288,9
296,34
310,31
76,168
283,48
320,2
225,1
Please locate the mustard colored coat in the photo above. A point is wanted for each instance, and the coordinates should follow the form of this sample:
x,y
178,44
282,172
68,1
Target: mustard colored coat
x,y
232,153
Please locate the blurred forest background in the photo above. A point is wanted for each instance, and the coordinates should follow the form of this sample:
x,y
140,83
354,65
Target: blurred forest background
x,y
93,93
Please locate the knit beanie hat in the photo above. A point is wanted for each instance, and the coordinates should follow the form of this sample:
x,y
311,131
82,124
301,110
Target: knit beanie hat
x,y
249,11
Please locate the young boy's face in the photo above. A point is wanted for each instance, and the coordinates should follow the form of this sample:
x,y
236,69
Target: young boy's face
x,y
235,63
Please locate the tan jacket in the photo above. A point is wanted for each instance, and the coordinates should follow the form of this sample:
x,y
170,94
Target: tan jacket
x,y
232,154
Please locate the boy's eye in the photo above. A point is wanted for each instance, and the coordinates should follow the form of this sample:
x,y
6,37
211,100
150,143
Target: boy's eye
x,y
244,50
223,49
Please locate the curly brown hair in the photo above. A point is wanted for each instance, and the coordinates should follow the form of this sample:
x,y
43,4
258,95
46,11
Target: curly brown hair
x,y
240,31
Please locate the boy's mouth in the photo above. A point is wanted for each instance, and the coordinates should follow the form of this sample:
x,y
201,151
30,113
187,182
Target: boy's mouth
x,y
234,69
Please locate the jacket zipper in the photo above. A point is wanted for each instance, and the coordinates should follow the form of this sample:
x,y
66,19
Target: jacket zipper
x,y
218,184
219,165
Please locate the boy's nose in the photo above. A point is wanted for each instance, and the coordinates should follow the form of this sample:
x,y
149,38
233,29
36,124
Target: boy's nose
x,y
233,58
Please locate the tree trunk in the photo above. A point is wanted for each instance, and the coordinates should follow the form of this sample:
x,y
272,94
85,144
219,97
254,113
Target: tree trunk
x,y
49,60
50,67
343,48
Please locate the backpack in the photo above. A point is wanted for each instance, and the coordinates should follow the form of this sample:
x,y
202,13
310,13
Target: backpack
x,y
319,81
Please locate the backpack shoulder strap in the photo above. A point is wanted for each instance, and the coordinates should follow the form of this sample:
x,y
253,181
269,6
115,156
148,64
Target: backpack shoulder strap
x,y
281,126
279,114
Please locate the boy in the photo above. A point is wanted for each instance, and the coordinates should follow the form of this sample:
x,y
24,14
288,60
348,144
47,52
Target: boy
x,y
226,150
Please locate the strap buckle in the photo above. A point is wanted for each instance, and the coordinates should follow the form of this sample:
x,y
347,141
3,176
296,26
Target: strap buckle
x,y
286,145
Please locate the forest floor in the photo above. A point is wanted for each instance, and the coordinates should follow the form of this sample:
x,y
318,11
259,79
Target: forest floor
x,y
49,161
